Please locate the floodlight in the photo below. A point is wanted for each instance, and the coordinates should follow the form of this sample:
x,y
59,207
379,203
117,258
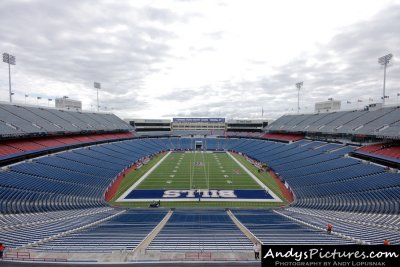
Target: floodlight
x,y
384,61
10,60
97,86
298,85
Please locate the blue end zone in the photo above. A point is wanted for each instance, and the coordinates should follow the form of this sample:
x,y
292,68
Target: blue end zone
x,y
196,194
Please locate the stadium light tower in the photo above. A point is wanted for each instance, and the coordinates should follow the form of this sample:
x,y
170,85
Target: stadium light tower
x,y
384,61
298,85
97,86
10,60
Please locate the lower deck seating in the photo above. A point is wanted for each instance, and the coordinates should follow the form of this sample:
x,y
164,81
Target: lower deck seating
x,y
272,228
367,232
323,177
68,180
15,220
200,230
25,229
122,232
389,221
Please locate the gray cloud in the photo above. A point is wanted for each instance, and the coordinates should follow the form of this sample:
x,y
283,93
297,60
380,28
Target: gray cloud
x,y
217,35
346,68
73,43
206,93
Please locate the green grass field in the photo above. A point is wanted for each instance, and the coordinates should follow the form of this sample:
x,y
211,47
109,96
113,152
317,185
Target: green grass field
x,y
181,170
199,170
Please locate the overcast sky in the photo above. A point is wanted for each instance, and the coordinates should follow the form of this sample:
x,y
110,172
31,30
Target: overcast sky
x,y
204,58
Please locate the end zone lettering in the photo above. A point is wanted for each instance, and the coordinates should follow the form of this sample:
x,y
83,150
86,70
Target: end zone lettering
x,y
195,194
203,193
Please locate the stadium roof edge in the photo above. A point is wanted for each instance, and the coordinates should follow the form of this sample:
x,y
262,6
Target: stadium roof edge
x,y
48,107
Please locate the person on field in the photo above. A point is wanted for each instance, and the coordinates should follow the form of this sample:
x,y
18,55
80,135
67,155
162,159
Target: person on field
x,y
386,242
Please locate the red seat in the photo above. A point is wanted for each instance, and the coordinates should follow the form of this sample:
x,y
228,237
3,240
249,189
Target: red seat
x,y
11,147
377,149
283,137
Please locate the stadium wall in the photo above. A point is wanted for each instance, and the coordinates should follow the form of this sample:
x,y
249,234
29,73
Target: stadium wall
x,y
113,188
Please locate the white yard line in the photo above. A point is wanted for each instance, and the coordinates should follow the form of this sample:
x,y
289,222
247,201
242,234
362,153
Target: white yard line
x,y
122,197
255,178
275,197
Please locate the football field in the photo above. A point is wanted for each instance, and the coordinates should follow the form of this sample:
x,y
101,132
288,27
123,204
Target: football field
x,y
198,176
198,170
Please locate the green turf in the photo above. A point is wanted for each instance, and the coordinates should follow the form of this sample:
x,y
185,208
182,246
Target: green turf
x,y
187,167
264,177
208,171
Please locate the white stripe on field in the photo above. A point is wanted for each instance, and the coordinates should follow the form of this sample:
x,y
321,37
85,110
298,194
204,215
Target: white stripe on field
x,y
255,178
122,197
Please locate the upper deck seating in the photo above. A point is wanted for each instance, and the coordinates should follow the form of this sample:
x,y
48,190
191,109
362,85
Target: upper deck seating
x,y
18,120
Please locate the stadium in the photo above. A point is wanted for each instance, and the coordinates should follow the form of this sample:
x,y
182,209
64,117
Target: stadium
x,y
199,133
76,186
